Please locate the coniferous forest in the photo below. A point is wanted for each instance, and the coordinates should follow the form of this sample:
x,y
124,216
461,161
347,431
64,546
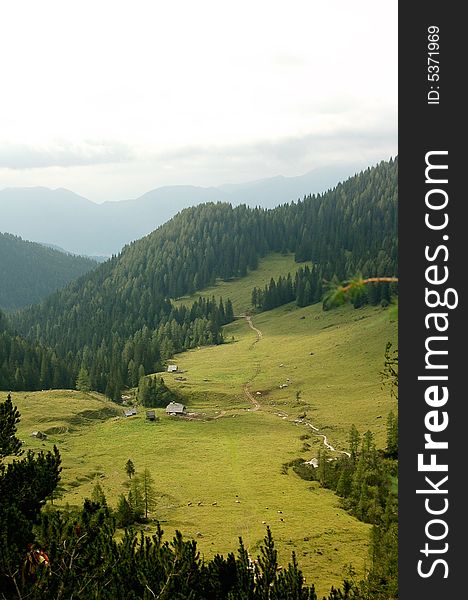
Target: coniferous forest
x,y
118,323
29,366
308,288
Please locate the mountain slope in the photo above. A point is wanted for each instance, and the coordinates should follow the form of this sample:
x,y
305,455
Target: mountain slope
x,y
64,219
119,317
29,272
27,365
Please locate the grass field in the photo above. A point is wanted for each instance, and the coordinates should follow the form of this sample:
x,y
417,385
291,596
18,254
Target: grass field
x,y
240,290
232,454
234,461
330,362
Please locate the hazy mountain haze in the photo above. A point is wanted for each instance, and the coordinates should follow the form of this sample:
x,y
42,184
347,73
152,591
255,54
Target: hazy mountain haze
x,y
65,219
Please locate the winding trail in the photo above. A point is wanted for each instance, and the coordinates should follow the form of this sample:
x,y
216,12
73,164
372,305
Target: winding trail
x,y
325,440
251,397
248,318
283,415
247,392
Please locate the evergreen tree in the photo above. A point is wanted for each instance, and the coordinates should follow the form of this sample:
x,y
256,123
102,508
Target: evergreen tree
x,y
124,513
129,468
148,492
10,445
98,495
136,499
354,440
254,297
229,311
83,382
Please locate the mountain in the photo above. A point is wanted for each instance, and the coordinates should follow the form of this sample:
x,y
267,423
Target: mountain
x,y
117,322
29,272
271,192
61,218
95,258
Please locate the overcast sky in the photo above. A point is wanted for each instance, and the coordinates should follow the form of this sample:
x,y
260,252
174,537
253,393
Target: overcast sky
x,y
112,98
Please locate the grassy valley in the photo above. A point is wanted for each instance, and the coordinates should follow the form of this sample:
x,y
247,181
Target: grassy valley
x,y
220,474
265,392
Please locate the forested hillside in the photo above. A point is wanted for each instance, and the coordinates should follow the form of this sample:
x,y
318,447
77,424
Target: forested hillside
x,y
29,272
118,320
28,366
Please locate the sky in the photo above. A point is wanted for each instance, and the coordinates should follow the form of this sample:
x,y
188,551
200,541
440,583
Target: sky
x,y
113,98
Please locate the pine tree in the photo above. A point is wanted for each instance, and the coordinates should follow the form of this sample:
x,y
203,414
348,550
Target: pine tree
x,y
10,445
254,297
83,382
229,311
136,500
146,482
129,468
98,495
354,440
124,513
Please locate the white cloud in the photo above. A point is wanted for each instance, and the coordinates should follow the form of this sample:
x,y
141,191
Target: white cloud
x,y
62,154
152,77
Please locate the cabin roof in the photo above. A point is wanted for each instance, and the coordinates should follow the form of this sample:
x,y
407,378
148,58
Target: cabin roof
x,y
175,407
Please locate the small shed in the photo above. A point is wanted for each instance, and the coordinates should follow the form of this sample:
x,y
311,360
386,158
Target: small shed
x,y
151,415
39,435
176,408
172,369
130,412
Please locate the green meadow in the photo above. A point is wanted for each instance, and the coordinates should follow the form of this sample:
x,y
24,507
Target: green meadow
x,y
234,462
329,361
220,473
240,290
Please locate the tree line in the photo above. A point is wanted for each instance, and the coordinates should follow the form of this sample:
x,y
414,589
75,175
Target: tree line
x,y
29,366
308,287
114,362
305,289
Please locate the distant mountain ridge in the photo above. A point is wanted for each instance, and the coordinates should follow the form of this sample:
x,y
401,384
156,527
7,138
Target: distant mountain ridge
x,y
98,259
62,218
29,271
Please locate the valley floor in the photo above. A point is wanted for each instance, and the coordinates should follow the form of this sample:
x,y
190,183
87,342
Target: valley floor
x,y
220,475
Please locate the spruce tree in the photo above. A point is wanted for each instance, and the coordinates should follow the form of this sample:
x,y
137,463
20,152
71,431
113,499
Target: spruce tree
x,y
83,382
129,468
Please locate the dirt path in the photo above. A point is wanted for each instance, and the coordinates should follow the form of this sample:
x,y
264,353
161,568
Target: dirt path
x,y
251,397
282,414
247,392
257,331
